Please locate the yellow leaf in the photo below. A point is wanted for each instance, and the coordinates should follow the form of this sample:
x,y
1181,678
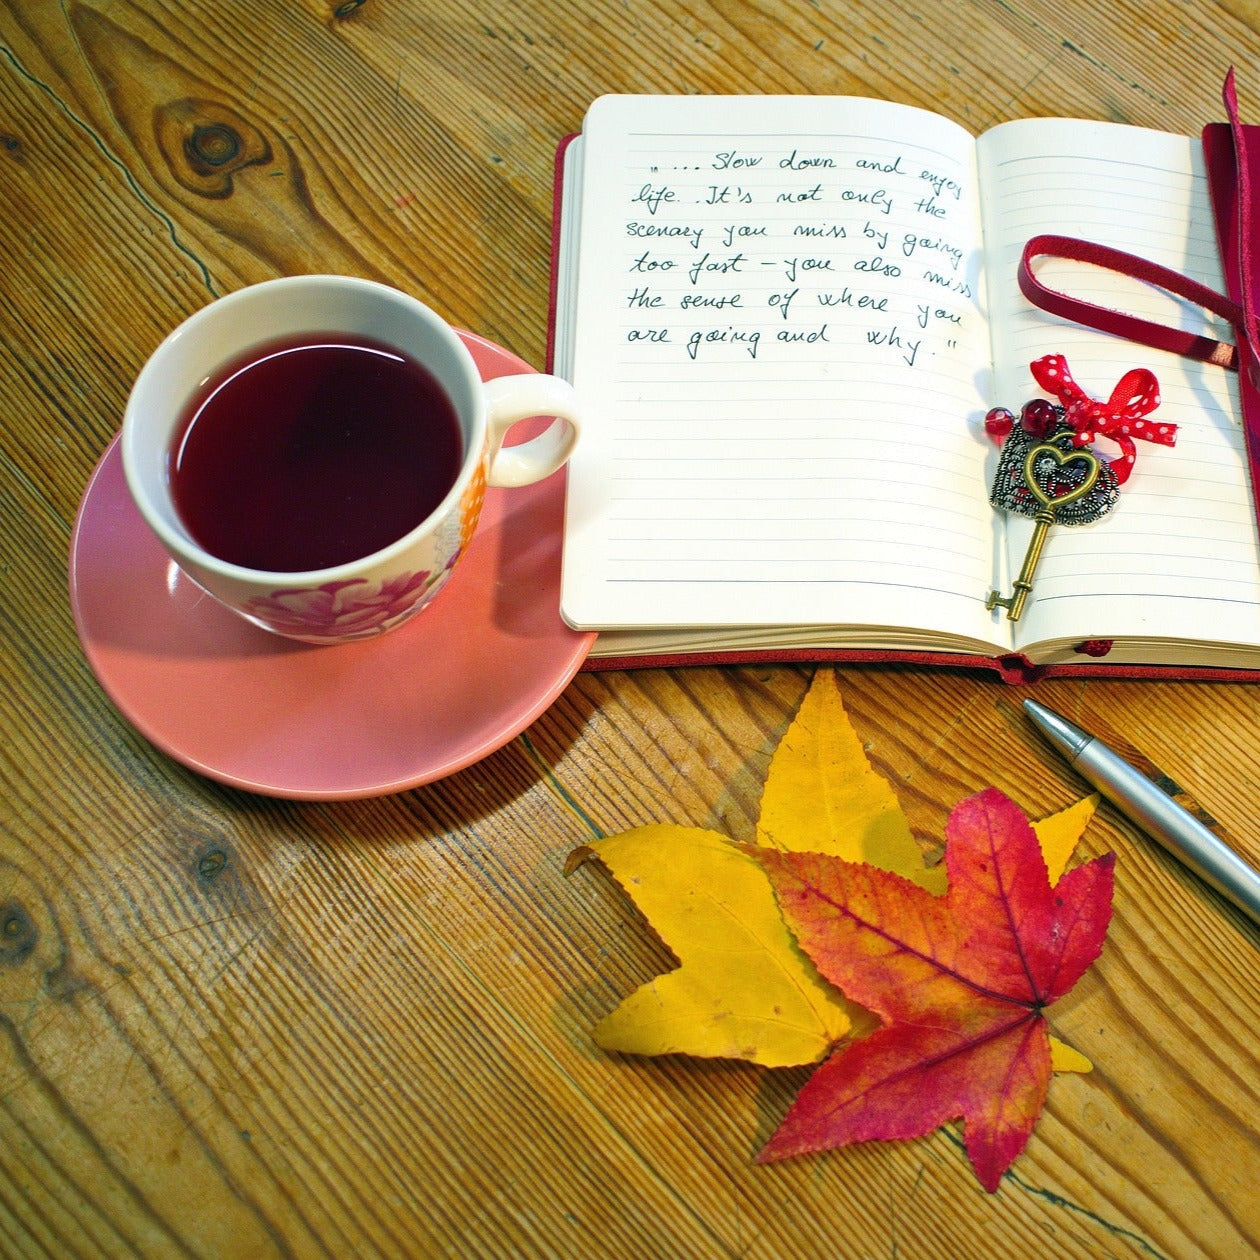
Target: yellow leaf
x,y
1058,835
742,990
822,795
1064,1059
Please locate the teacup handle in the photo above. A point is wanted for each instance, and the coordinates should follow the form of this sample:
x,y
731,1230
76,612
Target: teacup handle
x,y
510,399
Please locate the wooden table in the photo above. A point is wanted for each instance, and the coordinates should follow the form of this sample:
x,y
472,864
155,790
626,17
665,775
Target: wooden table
x,y
236,1025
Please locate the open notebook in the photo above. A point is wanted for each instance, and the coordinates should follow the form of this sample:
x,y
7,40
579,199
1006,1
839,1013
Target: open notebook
x,y
788,317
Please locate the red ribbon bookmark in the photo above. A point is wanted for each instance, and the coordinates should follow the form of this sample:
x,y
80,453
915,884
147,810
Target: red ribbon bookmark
x,y
1232,154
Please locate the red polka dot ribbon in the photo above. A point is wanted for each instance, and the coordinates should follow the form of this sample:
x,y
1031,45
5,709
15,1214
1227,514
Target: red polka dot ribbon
x,y
1121,418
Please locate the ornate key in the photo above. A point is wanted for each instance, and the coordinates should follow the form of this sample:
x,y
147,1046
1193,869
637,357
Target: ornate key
x,y
1051,492
1047,469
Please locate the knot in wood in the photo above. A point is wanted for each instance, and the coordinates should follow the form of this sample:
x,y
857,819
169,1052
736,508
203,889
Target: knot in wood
x,y
211,863
212,145
18,933
205,144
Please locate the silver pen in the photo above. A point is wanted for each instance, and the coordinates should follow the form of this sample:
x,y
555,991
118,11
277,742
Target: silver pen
x,y
1153,809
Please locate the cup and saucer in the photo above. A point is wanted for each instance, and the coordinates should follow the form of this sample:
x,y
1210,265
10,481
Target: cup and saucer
x,y
273,715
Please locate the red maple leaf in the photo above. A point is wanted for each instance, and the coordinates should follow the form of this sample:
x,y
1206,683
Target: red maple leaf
x,y
959,982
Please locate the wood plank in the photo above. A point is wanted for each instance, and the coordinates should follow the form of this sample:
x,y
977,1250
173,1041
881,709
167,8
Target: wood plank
x,y
238,1026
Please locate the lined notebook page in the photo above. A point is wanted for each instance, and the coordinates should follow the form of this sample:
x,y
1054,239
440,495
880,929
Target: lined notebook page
x,y
776,329
1178,558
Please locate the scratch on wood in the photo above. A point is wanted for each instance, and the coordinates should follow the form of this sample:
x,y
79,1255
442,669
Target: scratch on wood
x,y
1057,1200
129,179
1071,47
559,789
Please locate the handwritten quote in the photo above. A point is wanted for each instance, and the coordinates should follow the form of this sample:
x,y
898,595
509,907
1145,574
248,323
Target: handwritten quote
x,y
747,252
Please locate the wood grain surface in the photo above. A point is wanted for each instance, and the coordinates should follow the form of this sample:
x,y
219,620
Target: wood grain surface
x,y
236,1026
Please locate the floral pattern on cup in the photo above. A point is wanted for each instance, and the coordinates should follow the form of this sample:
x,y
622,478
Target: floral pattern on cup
x,y
470,506
353,609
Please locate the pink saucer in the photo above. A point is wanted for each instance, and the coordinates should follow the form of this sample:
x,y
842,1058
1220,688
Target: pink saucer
x,y
264,713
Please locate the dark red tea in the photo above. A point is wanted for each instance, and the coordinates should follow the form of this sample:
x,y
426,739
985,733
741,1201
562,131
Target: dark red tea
x,y
311,451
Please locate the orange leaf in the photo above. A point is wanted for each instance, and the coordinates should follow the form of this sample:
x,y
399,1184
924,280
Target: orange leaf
x,y
960,982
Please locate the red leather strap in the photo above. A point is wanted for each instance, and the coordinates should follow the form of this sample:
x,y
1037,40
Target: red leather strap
x,y
1232,156
1143,331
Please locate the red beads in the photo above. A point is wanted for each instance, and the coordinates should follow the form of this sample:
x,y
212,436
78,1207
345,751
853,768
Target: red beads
x,y
1039,418
998,423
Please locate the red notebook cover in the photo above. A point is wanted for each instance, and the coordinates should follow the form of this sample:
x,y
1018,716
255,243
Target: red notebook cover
x,y
1013,668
